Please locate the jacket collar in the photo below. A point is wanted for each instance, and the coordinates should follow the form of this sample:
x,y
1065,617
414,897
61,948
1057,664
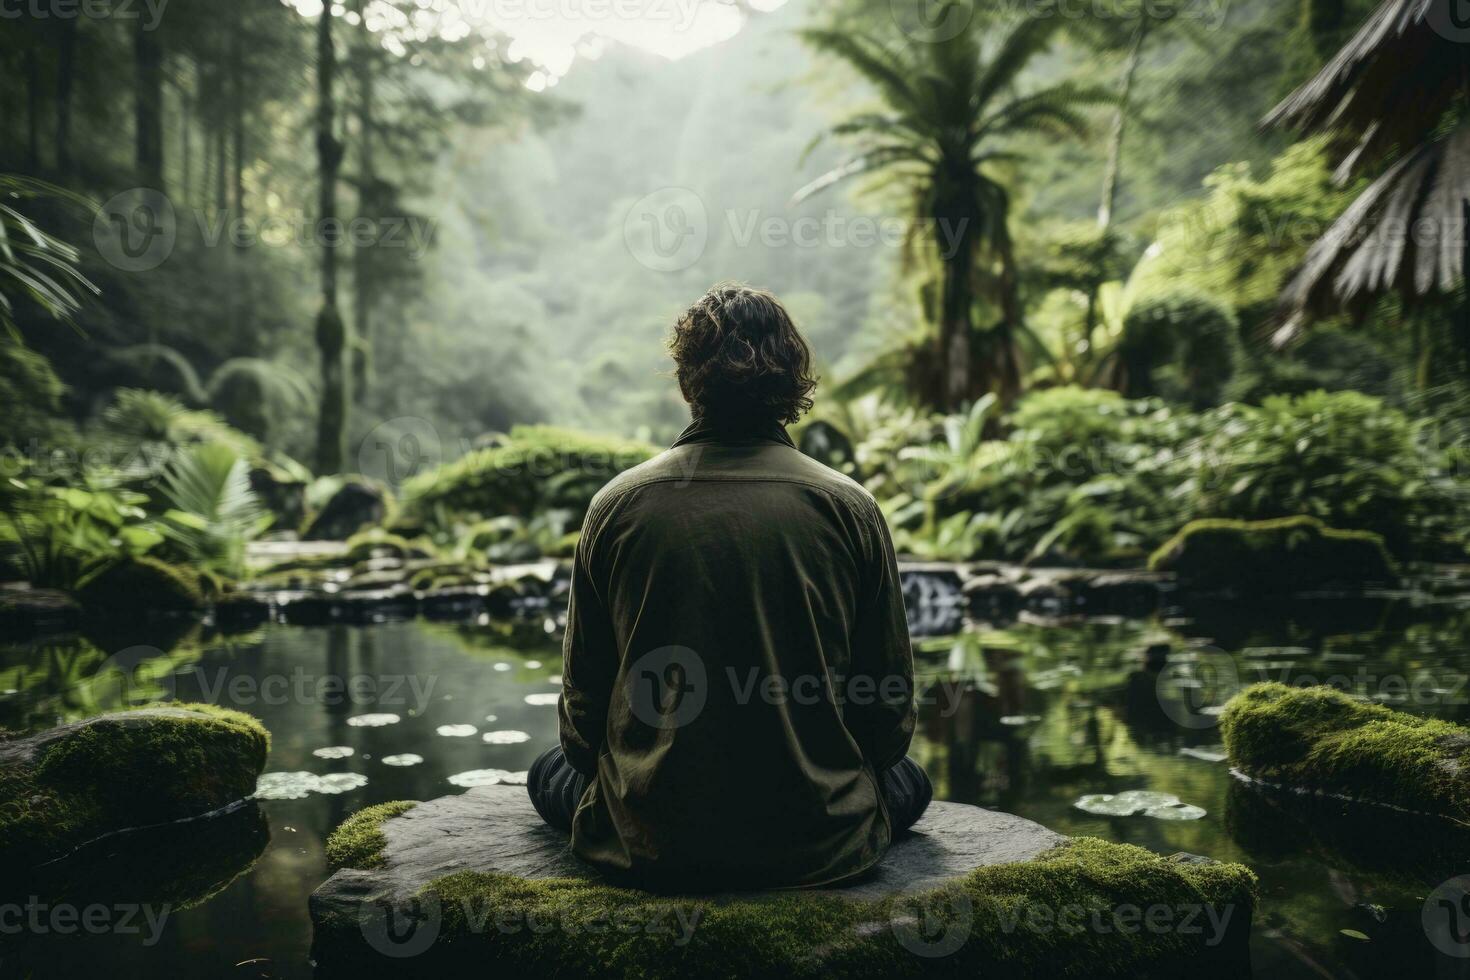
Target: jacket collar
x,y
735,431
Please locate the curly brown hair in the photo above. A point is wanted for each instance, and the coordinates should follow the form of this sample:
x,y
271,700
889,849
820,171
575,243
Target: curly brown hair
x,y
741,358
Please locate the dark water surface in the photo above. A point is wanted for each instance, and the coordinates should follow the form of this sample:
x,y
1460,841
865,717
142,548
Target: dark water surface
x,y
1029,719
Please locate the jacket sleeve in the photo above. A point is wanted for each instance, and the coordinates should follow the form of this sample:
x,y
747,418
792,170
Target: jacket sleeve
x,y
880,696
589,665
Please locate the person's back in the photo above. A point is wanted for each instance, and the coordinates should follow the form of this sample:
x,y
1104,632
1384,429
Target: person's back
x,y
737,676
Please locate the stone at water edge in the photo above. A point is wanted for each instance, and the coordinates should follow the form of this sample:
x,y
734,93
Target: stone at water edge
x,y
1322,740
72,784
403,849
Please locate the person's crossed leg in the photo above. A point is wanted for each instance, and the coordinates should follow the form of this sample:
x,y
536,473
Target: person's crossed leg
x,y
556,789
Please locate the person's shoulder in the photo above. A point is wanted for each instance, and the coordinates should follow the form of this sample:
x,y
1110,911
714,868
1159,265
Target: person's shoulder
x,y
838,485
671,464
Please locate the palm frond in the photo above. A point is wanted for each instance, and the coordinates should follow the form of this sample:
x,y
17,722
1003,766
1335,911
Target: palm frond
x,y
869,58
279,383
214,510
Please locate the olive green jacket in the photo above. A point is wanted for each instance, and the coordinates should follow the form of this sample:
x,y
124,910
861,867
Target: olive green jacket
x,y
737,668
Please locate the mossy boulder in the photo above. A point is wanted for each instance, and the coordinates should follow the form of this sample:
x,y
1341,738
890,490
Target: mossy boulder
x,y
356,505
64,787
1322,740
140,585
476,882
1285,555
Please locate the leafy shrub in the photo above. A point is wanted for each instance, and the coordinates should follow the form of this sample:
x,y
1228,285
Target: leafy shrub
x,y
30,399
1182,345
60,537
1343,457
148,428
213,512
1089,476
536,468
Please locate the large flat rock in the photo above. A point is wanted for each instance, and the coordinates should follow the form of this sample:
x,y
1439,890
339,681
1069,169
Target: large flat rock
x,y
419,914
495,828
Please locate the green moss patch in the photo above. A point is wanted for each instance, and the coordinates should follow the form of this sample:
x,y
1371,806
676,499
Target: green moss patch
x,y
1290,554
140,584
1320,739
359,842
1078,910
151,765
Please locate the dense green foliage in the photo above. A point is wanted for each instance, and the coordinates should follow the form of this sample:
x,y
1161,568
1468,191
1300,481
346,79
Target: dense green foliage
x,y
1324,740
1086,475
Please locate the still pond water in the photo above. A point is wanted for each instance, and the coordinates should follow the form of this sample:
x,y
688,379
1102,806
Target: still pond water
x,y
1030,719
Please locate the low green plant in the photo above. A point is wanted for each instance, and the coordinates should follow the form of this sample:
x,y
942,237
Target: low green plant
x,y
62,537
213,513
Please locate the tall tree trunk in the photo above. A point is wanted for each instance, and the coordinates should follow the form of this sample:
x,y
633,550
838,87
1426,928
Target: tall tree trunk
x,y
66,49
330,331
237,114
955,311
221,170
1114,163
186,139
148,122
369,199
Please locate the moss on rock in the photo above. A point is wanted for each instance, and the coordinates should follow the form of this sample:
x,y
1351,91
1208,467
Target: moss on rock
x,y
359,842
138,585
1320,739
64,787
1289,554
1075,911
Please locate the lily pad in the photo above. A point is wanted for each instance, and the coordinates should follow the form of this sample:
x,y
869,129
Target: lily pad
x,y
484,777
1175,811
542,700
334,752
402,759
506,737
299,785
1124,804
456,731
373,720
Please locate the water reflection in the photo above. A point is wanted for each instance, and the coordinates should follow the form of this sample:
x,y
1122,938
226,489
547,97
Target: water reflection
x,y
1030,718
